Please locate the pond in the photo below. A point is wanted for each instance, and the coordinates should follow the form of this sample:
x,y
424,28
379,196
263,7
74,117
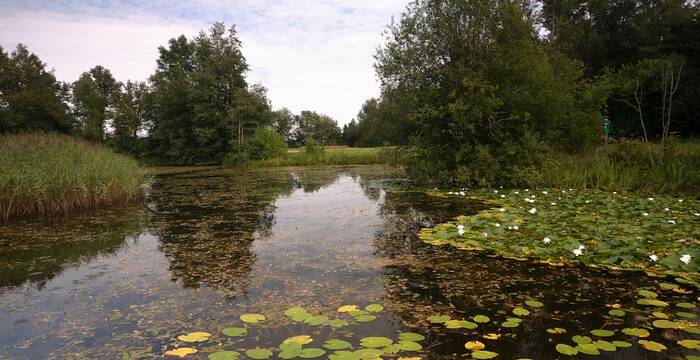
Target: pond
x,y
307,255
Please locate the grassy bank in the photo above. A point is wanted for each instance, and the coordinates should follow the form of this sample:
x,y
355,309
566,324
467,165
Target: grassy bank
x,y
330,156
47,174
627,166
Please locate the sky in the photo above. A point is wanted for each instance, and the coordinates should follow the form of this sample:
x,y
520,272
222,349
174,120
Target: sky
x,y
311,55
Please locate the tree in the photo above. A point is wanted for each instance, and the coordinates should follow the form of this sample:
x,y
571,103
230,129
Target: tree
x,y
94,94
130,116
322,128
30,96
253,110
282,123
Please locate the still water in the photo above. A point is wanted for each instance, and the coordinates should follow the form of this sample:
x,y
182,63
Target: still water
x,y
205,247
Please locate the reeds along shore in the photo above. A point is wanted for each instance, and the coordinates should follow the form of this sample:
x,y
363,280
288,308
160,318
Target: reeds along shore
x,y
48,174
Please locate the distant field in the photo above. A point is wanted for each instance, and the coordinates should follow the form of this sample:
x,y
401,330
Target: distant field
x,y
332,155
328,148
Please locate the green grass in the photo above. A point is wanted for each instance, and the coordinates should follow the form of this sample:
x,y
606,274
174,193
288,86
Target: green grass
x,y
331,156
48,174
627,167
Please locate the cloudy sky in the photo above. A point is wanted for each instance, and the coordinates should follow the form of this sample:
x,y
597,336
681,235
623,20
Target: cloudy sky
x,y
311,55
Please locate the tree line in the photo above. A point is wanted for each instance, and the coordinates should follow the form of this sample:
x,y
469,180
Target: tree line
x,y
196,108
481,92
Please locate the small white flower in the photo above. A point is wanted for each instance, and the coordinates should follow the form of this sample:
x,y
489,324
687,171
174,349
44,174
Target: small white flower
x,y
450,193
532,211
666,209
515,227
546,240
653,257
502,209
645,214
638,237
495,191
527,190
650,199
578,252
686,258
588,201
510,228
462,193
544,192
581,247
697,214
498,225
533,196
672,222
571,189
502,196
614,192
485,234
552,203
680,200
563,191
516,192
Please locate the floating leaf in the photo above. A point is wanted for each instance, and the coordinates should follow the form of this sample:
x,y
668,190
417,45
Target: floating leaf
x,y
660,315
521,312
685,305
652,345
336,344
616,312
299,339
316,320
602,333
510,324
181,352
374,307
224,355
338,323
460,324
368,353
295,310
375,341
312,353
534,303
665,324
636,332
589,349
483,354
690,344
252,318
258,353
438,319
686,315
605,345
348,308
409,336
409,345
492,336
621,344
556,331
566,349
481,318
648,294
581,340
474,345
365,318
652,302
235,331
197,336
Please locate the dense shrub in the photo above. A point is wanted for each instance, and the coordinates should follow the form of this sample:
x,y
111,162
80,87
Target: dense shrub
x,y
265,144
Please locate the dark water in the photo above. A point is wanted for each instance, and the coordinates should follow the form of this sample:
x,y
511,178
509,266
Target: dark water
x,y
206,247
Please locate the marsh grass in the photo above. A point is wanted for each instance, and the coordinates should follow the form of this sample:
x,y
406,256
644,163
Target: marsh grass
x,y
329,156
627,167
48,174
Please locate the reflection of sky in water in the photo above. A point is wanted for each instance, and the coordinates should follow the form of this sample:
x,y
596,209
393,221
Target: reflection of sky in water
x,y
216,244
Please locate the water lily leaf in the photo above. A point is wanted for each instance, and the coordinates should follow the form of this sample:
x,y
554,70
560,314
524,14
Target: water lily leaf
x,y
438,319
581,340
409,345
409,336
566,349
252,318
652,346
483,354
605,345
365,318
636,332
460,324
690,344
686,315
338,323
685,305
589,349
181,352
295,310
348,308
289,350
602,333
235,331
616,312
474,345
481,319
299,339
375,341
368,353
556,331
665,324
343,355
258,353
197,336
534,303
510,324
621,344
311,353
492,336
316,320
374,307
660,315
224,355
301,317
648,294
521,312
667,286
652,302
336,344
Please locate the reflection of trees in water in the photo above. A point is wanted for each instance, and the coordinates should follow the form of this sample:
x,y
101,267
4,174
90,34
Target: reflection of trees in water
x,y
207,222
36,253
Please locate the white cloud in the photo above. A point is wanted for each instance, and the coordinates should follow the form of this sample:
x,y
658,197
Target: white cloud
x,y
314,55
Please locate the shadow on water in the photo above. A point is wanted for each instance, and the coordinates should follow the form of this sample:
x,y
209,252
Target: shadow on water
x,y
208,246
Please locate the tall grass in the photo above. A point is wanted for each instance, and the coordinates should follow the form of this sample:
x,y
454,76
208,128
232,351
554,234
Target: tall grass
x,y
333,156
627,166
48,174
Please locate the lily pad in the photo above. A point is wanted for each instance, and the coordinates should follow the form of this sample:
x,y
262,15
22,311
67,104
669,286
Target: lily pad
x,y
258,353
181,352
460,324
312,353
616,312
483,354
652,302
348,308
224,355
581,340
438,319
521,312
409,345
636,332
589,349
375,341
534,303
197,336
336,344
621,344
689,343
481,319
566,349
652,345
299,339
252,318
374,307
235,331
474,345
409,336
602,333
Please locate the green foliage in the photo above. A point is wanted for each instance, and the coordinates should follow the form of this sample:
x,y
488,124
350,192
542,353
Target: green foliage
x,y
30,96
332,156
265,144
321,128
131,110
44,174
374,126
493,111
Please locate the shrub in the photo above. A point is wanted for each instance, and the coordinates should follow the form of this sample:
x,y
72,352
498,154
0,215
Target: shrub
x,y
265,144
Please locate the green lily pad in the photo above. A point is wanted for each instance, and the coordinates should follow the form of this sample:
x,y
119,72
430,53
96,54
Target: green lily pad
x,y
652,345
460,324
224,355
652,302
365,318
409,345
581,340
252,318
336,344
375,341
616,312
481,319
336,323
438,319
409,336
368,353
374,307
235,331
605,345
295,310
312,353
686,315
686,305
621,344
602,333
316,320
521,312
299,339
566,349
690,344
534,303
258,353
664,324
636,332
589,349
648,294
483,354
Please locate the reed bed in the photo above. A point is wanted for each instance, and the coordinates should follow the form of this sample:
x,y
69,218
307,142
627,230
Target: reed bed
x,y
50,174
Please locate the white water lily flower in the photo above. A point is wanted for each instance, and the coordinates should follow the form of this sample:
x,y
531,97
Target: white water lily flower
x,y
571,189
686,258
653,257
645,214
680,200
578,252
498,225
502,209
666,209
544,192
588,201
527,189
510,228
614,192
650,199
516,192
638,237
697,214
546,240
532,211
450,193
552,203
485,234
515,227
502,196
495,191
581,247
672,222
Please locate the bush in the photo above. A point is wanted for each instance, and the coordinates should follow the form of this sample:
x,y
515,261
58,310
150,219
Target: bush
x,y
265,144
45,174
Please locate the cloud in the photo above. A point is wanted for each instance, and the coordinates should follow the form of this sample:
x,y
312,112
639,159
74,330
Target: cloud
x,y
311,55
